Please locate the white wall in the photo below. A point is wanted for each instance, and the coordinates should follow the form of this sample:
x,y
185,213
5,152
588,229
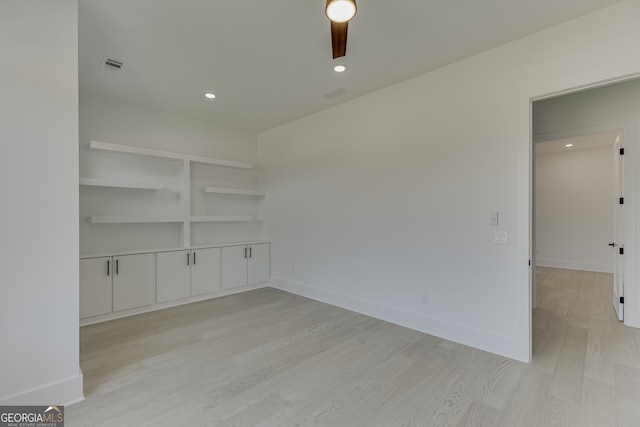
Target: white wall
x,y
574,208
106,120
39,211
606,105
379,200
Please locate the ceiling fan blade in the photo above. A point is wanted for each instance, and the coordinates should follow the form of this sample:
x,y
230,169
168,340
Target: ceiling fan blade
x,y
339,38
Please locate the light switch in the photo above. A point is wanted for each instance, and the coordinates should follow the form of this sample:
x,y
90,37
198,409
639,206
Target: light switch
x,y
494,218
500,238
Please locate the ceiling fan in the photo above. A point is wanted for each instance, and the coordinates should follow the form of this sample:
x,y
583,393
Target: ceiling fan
x,y
340,12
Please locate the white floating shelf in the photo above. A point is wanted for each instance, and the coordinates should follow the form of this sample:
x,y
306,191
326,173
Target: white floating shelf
x,y
218,218
117,148
133,219
239,191
97,182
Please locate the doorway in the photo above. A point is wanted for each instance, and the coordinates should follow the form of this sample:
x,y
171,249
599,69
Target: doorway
x,y
579,221
571,121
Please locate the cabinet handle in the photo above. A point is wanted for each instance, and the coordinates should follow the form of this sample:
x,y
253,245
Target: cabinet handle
x,y
117,266
250,251
194,258
188,258
245,252
108,267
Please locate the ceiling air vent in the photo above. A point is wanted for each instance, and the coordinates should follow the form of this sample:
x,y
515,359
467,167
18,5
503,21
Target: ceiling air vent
x,y
336,93
112,64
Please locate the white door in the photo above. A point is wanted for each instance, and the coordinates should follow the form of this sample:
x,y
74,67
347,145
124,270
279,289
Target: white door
x,y
134,281
258,268
234,266
173,275
95,286
618,227
206,272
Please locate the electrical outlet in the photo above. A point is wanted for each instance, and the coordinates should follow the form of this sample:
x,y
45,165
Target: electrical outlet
x,y
424,298
500,238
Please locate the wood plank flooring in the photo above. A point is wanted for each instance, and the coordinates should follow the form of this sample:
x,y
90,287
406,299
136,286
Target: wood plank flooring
x,y
270,358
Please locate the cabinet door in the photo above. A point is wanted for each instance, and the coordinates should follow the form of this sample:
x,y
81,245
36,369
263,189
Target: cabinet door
x,y
234,266
173,275
95,286
134,281
205,271
258,267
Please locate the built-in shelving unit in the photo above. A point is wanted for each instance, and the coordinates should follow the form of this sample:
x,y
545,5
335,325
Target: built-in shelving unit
x,y
97,182
237,191
206,245
171,249
126,219
190,211
128,149
221,218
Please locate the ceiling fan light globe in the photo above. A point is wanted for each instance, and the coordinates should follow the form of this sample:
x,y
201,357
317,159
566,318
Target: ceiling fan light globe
x,y
341,10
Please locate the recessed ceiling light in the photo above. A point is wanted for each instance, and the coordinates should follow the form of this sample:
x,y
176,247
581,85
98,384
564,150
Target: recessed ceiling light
x,y
210,95
568,145
340,68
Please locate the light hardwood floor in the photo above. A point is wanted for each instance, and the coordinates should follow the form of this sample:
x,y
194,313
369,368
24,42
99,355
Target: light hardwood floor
x,y
270,358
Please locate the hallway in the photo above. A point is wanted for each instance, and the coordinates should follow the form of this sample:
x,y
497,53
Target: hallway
x,y
593,358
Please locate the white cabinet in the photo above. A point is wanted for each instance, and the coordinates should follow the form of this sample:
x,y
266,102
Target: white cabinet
x,y
245,265
258,265
174,275
187,273
234,266
95,286
124,284
134,281
206,271
116,283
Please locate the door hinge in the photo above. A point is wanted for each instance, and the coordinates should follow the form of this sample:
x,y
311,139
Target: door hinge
x,y
621,300
621,251
529,262
622,200
622,151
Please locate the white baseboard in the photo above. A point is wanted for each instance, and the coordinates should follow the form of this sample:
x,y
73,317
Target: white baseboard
x,y
503,345
65,392
574,265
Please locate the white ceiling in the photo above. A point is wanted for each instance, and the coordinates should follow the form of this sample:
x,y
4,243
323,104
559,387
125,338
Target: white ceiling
x,y
579,142
270,60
